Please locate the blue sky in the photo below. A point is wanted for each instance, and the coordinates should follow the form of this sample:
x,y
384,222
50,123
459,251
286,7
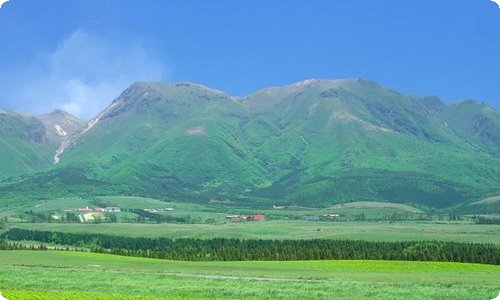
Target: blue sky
x,y
80,54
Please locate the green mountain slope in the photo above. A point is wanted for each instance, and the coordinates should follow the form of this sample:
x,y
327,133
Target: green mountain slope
x,y
23,144
314,143
477,124
355,140
27,144
178,140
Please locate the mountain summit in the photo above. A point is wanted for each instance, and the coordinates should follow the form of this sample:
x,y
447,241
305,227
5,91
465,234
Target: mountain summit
x,y
60,125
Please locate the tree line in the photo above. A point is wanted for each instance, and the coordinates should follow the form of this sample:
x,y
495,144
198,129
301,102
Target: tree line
x,y
142,216
489,221
4,245
238,249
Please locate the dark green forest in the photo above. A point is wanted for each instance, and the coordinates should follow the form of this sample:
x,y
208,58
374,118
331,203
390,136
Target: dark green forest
x,y
224,249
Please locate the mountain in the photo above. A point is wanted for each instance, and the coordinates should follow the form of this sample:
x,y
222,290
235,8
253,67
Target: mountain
x,y
27,143
60,125
23,147
173,139
476,124
336,136
312,143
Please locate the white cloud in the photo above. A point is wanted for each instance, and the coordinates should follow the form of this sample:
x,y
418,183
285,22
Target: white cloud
x,y
83,74
497,2
2,2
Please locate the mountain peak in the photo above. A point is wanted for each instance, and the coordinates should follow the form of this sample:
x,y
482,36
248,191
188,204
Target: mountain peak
x,y
58,112
13,112
317,81
152,85
471,102
60,125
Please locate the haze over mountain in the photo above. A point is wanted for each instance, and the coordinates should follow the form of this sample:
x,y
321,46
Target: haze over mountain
x,y
312,143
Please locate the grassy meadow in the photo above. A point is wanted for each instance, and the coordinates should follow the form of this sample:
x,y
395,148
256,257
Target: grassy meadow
x,y
80,275
295,229
209,221
216,212
76,275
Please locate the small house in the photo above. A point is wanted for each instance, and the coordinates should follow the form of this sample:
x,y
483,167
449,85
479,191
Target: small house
x,y
257,217
112,209
332,216
311,218
85,209
234,218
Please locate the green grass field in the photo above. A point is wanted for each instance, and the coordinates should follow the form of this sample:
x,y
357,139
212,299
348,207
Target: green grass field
x,y
76,275
216,212
375,204
370,231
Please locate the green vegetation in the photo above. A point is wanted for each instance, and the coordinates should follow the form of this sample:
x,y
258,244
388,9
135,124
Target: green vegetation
x,y
47,274
28,143
347,160
212,212
43,295
314,144
237,249
369,231
23,148
489,205
375,205
489,200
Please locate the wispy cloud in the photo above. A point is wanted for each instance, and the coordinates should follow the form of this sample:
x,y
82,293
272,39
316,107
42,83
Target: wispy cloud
x,y
2,2
83,74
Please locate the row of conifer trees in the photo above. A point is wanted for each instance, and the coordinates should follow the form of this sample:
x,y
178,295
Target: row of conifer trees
x,y
243,249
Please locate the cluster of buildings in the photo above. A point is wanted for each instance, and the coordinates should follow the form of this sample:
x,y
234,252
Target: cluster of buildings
x,y
331,216
239,218
86,214
109,209
155,210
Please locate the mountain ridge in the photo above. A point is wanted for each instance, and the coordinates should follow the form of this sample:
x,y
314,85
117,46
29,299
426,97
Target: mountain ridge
x,y
305,143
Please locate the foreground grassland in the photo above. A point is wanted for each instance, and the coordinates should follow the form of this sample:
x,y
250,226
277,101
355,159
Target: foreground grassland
x,y
369,231
75,275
